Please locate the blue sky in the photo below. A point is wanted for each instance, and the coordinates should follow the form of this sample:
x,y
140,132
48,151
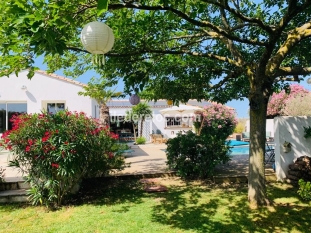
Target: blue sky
x,y
241,107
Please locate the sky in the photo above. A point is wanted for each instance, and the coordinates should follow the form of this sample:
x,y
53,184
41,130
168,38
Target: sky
x,y
241,107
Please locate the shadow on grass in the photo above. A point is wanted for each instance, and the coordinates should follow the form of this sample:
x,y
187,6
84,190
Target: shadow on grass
x,y
108,191
226,210
204,207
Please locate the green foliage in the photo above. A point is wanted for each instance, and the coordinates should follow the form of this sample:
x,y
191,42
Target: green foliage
x,y
141,140
97,88
197,155
307,131
141,111
194,156
304,189
102,6
56,152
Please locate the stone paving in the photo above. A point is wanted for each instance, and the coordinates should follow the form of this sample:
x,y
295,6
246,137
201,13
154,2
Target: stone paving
x,y
151,159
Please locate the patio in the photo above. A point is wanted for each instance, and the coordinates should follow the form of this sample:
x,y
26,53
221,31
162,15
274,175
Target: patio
x,y
150,160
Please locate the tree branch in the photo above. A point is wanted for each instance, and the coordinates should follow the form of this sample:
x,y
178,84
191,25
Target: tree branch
x,y
293,79
292,11
197,54
237,13
296,36
288,71
230,45
184,16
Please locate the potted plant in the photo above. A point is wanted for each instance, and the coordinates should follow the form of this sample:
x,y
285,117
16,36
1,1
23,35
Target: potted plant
x,y
287,147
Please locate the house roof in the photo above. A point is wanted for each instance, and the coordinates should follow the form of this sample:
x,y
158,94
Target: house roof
x,y
61,78
123,103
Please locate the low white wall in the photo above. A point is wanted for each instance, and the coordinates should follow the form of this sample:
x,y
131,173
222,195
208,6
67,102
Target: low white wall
x,y
290,129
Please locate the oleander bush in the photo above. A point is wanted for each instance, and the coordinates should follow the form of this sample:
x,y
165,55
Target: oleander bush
x,y
290,98
56,152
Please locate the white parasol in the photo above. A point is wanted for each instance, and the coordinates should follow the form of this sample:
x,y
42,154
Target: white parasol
x,y
181,110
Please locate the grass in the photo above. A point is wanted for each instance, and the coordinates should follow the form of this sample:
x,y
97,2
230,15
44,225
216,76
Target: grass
x,y
122,206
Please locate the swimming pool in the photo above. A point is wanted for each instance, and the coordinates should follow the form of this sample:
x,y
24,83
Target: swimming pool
x,y
239,147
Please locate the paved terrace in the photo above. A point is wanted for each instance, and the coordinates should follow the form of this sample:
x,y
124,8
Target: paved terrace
x,y
150,160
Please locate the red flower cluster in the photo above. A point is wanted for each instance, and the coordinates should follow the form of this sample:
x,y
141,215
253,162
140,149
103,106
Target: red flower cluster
x,y
46,137
114,135
55,165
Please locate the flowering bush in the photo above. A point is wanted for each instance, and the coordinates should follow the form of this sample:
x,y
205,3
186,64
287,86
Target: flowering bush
x,y
197,155
278,101
57,151
216,121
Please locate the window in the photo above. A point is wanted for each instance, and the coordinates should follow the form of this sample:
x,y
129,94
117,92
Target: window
x,y
55,107
7,110
177,121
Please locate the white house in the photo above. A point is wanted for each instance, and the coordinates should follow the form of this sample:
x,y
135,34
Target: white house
x,y
43,91
167,124
53,92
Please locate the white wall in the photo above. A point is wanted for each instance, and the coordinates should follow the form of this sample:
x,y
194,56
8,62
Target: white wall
x,y
290,129
44,88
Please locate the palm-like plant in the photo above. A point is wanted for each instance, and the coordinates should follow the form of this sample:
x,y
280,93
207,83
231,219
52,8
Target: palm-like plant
x,y
98,90
142,111
130,117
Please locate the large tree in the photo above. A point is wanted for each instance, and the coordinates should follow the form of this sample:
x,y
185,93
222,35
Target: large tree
x,y
203,49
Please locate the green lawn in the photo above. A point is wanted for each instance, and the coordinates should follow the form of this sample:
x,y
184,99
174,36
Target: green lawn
x,y
123,206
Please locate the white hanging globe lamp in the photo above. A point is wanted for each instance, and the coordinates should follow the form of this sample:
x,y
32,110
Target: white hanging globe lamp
x,y
134,99
97,38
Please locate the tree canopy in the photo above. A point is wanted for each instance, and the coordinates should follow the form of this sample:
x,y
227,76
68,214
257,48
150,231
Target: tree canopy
x,y
203,49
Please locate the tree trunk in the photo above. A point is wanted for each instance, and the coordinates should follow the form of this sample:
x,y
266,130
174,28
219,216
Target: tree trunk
x,y
256,179
104,116
134,131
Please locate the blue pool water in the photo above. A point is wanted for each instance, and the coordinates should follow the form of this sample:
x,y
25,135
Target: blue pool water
x,y
239,147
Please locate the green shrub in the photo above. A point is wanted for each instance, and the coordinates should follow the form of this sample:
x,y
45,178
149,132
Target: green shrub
x,y
140,140
197,155
304,189
57,151
194,157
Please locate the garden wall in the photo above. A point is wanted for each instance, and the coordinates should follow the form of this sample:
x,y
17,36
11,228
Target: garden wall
x,y
290,129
